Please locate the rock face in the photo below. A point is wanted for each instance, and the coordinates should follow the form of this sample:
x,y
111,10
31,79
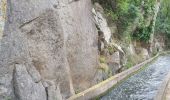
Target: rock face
x,y
101,22
81,42
144,54
25,88
159,43
48,50
2,13
114,62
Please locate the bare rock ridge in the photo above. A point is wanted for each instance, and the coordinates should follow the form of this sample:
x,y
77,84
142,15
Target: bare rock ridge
x,y
48,50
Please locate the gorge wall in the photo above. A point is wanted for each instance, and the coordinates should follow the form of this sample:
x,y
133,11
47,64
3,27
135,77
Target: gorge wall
x,y
47,46
52,49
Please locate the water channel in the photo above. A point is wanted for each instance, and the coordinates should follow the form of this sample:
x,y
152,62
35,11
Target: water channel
x,y
143,85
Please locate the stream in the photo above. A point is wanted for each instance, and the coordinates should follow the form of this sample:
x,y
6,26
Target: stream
x,y
144,84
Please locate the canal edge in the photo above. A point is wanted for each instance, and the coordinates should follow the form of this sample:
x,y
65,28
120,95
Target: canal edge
x,y
106,85
162,91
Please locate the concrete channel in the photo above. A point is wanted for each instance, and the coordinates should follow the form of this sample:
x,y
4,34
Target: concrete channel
x,y
104,86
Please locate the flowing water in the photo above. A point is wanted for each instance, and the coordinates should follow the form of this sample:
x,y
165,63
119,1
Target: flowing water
x,y
143,85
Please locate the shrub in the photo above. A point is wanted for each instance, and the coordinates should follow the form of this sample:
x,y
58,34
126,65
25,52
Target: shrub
x,y
143,34
125,12
102,59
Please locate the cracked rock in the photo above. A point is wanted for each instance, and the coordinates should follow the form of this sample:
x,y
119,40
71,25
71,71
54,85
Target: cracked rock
x,y
24,87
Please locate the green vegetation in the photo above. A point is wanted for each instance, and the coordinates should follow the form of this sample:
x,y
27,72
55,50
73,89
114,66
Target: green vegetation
x,y
129,64
102,59
132,60
143,33
104,67
163,19
8,98
124,13
163,22
121,81
111,49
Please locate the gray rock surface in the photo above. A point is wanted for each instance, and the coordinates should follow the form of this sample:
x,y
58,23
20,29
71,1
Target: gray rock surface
x,y
54,92
144,54
52,40
101,21
24,87
114,62
81,42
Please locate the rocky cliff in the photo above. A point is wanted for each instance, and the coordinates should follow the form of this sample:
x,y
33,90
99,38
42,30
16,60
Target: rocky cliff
x,y
49,49
52,49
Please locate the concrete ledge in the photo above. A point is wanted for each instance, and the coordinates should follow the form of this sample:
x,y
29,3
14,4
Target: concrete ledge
x,y
104,86
161,94
162,90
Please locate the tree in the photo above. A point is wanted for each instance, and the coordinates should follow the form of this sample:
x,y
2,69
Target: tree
x,y
163,20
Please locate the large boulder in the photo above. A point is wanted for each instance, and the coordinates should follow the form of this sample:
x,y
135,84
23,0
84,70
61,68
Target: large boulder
x,y
56,41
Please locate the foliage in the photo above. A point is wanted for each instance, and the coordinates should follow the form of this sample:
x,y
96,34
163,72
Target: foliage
x,y
125,12
148,7
133,60
129,65
110,13
111,49
105,69
102,59
163,19
143,34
